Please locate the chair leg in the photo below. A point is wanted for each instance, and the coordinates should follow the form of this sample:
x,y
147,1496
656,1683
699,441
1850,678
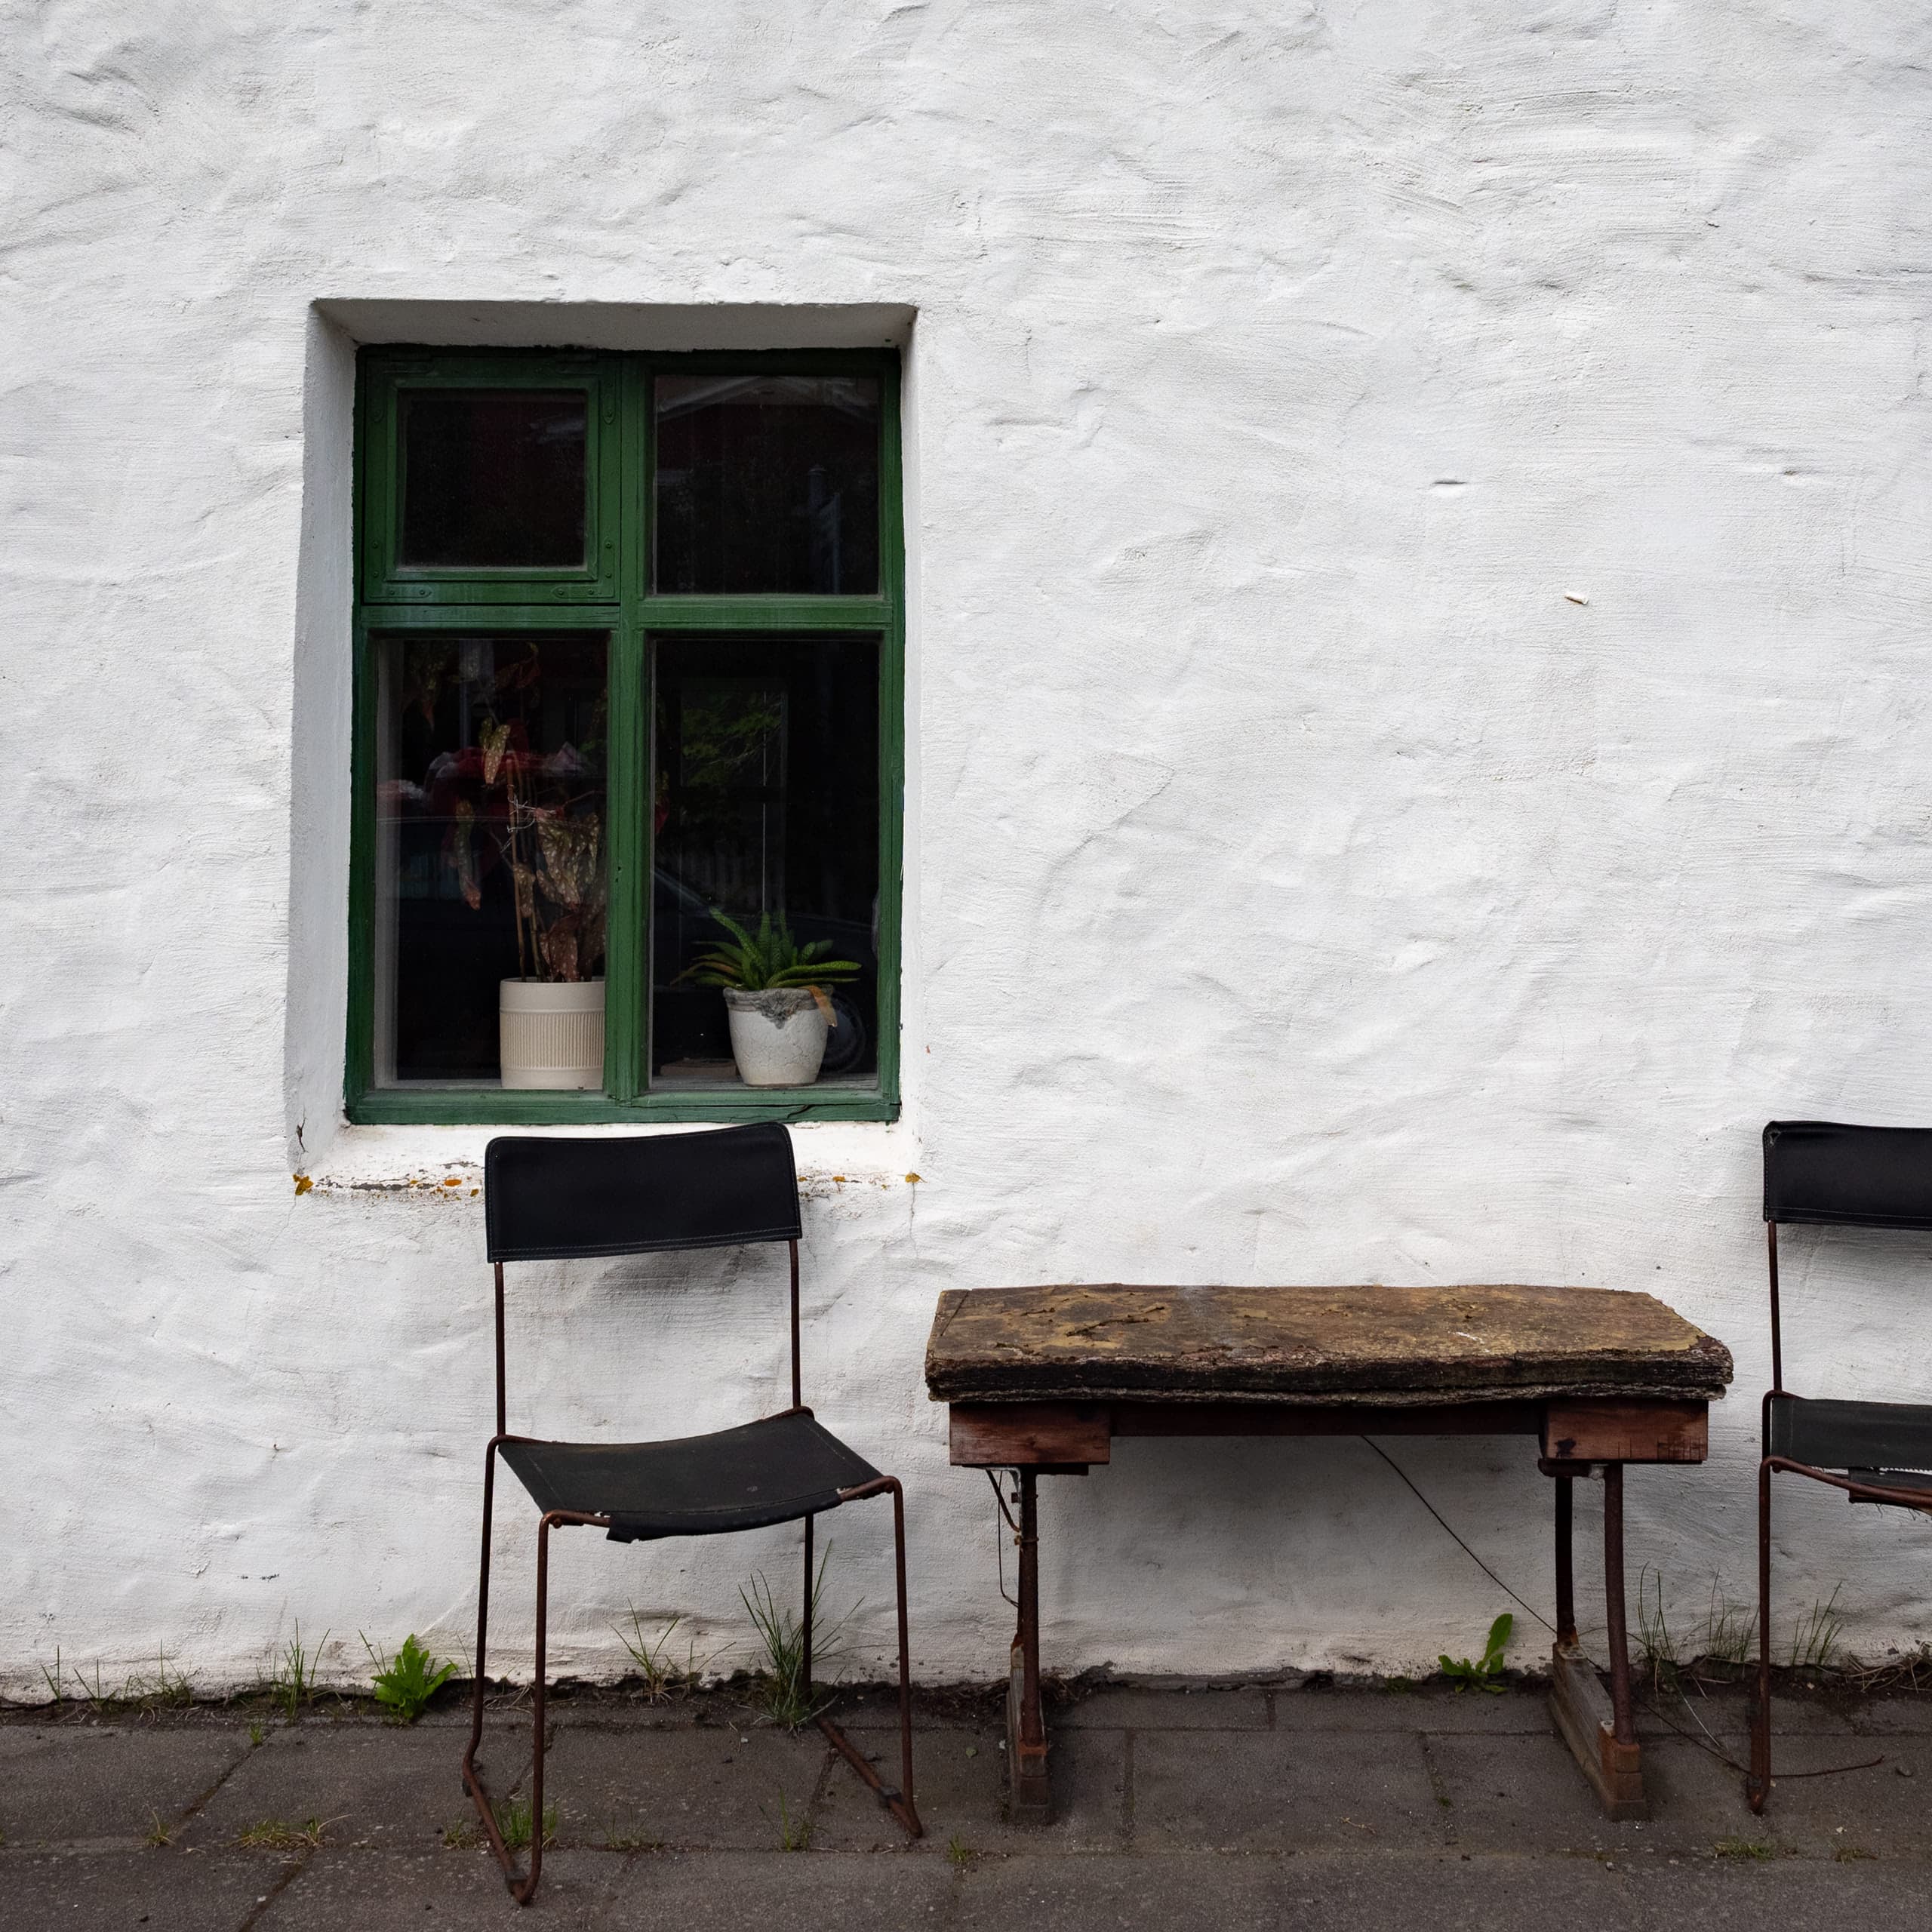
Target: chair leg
x,y
912,1814
522,1886
482,1618
805,1622
900,1802
1757,1785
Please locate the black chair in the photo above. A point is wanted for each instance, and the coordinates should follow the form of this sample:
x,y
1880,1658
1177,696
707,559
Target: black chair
x,y
1820,1172
550,1200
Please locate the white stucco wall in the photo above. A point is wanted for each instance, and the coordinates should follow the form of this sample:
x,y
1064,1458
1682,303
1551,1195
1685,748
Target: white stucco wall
x,y
1419,527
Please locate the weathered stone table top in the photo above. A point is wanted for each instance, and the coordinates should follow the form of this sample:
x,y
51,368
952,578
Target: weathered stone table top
x,y
1382,1345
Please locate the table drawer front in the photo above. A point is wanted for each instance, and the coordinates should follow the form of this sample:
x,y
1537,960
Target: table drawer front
x,y
992,1435
1625,1432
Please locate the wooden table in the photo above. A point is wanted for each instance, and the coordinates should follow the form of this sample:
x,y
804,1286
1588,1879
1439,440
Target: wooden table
x,y
1040,1381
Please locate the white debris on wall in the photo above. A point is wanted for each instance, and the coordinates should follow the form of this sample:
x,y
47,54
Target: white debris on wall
x,y
1418,531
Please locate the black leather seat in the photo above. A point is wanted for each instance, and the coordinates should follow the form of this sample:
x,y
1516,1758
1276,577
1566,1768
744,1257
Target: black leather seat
x,y
776,1470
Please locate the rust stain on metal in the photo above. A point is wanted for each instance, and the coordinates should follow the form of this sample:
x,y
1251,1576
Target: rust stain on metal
x,y
1328,1344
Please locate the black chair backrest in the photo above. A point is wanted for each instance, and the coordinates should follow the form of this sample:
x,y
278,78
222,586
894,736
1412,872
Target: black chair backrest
x,y
548,1200
1820,1170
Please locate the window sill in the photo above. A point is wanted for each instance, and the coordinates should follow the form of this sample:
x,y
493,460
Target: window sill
x,y
496,1106
424,1160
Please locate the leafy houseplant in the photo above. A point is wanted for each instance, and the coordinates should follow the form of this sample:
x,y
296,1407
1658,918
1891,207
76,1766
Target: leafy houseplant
x,y
534,816
553,845
775,998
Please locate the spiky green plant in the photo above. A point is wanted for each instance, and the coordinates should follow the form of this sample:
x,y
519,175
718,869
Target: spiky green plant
x,y
769,959
1487,1672
405,1683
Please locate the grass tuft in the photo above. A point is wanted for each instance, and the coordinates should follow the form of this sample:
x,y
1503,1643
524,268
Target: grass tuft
x,y
292,1677
794,1834
1756,1849
618,1837
1814,1638
279,1834
664,1677
514,1822
783,1695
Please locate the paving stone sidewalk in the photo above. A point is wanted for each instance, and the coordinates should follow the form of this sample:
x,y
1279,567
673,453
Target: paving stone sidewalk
x,y
1331,1808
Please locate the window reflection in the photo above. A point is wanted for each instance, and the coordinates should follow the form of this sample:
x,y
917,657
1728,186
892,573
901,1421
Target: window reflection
x,y
767,483
766,765
491,839
493,478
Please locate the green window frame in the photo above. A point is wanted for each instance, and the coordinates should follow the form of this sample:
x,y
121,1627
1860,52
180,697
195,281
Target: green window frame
x,y
609,592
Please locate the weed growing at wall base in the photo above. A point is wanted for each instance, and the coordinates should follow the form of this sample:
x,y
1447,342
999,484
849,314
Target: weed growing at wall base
x,y
1485,1673
405,1683
785,1695
292,1677
663,1675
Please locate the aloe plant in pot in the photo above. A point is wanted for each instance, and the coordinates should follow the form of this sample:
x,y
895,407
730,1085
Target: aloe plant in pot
x,y
774,998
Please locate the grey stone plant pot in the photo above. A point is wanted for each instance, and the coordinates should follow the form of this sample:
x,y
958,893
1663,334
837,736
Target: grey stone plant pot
x,y
777,1037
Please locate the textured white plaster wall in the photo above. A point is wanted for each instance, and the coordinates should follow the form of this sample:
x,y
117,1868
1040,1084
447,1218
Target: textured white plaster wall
x,y
1301,886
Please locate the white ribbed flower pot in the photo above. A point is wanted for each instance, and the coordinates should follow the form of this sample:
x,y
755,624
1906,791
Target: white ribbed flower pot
x,y
777,1037
552,1033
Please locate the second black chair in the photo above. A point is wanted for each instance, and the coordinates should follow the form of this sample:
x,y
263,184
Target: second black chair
x,y
553,1200
1824,1173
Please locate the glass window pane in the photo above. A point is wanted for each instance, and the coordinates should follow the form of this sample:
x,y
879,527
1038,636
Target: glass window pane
x,y
767,483
493,478
766,767
491,854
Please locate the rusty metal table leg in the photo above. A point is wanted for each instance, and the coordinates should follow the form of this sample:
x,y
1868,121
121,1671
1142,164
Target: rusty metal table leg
x,y
1032,1793
1566,1569
1600,1731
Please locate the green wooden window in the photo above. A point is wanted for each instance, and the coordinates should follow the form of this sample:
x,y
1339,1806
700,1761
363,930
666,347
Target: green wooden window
x,y
628,640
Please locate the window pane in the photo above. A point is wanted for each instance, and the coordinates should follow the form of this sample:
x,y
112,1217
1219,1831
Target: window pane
x,y
767,483
766,775
489,841
493,478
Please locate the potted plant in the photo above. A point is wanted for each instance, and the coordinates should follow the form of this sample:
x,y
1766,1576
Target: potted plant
x,y
550,1018
774,998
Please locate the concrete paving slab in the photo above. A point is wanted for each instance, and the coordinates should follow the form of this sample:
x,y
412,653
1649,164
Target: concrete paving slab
x,y
1521,1794
368,1785
961,1779
1123,1708
1282,1790
1725,1709
379,1891
961,1788
773,1892
1129,1894
159,1890
1872,1810
710,1789
1908,1715
1791,1895
1451,1892
108,1785
1519,1710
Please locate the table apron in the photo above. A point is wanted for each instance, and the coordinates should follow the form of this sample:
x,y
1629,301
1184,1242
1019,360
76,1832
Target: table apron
x,y
1578,1430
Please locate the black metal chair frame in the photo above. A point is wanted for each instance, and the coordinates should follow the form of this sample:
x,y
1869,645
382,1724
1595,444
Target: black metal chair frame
x,y
602,1203
1826,1172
